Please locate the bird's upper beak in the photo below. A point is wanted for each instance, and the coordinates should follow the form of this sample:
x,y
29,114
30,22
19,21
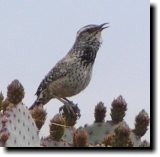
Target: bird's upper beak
x,y
101,27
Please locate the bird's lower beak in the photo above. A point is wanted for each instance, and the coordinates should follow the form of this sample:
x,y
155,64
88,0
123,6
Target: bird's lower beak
x,y
101,27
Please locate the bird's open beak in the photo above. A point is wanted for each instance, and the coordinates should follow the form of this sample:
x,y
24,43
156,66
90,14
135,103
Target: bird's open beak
x,y
101,26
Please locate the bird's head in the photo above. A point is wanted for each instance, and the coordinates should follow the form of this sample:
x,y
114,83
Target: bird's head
x,y
90,33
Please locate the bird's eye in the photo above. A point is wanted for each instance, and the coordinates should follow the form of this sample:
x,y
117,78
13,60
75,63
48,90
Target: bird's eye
x,y
90,30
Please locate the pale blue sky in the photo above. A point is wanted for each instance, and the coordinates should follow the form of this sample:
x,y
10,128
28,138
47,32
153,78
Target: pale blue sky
x,y
35,34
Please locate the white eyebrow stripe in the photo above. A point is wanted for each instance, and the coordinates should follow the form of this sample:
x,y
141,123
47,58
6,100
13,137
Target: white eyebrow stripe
x,y
84,28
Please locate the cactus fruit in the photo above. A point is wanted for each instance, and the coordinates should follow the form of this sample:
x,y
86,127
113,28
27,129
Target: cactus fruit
x,y
119,107
15,92
20,128
141,123
39,116
70,119
100,112
57,125
80,138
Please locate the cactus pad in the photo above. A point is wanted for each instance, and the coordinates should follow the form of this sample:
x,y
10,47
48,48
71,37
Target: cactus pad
x,y
98,131
20,126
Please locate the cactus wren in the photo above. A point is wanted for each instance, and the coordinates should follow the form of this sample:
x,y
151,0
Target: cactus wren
x,y
72,73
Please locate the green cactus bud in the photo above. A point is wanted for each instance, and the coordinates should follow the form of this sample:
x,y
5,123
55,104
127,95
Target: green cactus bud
x,y
80,138
15,92
141,123
119,107
100,112
57,127
39,116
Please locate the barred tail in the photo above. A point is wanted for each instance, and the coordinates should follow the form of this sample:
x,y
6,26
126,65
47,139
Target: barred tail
x,y
41,100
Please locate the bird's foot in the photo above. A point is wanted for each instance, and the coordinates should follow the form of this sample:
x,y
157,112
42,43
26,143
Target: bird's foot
x,y
69,108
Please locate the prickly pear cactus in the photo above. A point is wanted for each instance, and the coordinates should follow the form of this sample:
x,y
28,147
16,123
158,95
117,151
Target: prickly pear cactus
x,y
116,133
20,127
17,128
99,129
18,124
58,137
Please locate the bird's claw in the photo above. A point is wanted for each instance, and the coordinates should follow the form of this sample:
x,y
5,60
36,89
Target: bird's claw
x,y
70,108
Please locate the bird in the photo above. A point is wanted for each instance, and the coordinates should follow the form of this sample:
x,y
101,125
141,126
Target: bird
x,y
73,72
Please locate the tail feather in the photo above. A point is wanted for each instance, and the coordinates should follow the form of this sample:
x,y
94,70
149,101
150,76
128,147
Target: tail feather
x,y
42,99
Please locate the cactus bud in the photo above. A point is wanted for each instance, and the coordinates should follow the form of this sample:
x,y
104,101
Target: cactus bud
x,y
80,138
122,133
4,135
6,104
119,106
108,140
39,116
15,92
70,119
100,112
57,131
141,123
